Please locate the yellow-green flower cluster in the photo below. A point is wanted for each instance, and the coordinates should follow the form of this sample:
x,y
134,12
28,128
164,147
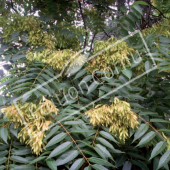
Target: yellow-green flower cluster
x,y
35,118
118,117
57,59
36,35
112,55
28,24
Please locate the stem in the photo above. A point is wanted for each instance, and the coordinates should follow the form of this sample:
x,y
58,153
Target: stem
x,y
95,136
106,33
12,6
161,13
37,77
91,46
82,16
72,139
9,155
152,127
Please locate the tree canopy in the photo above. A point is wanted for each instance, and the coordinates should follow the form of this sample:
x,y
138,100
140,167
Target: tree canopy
x,y
84,84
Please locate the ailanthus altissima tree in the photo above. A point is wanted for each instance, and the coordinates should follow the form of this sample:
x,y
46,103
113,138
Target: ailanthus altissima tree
x,y
86,85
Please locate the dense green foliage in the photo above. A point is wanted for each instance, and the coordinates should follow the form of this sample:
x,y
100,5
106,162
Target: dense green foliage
x,y
66,103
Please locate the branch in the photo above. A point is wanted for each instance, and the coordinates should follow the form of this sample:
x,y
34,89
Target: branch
x,y
161,13
72,139
91,46
84,22
9,155
93,143
106,33
38,76
152,127
12,6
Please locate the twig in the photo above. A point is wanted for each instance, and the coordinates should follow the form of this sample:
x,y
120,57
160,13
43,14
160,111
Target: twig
x,y
91,46
161,13
106,33
72,139
38,76
152,127
12,6
95,136
84,22
9,155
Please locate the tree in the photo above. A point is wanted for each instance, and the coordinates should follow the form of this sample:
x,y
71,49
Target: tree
x,y
83,89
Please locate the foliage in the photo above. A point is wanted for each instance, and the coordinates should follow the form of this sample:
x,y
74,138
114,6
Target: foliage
x,y
108,111
118,116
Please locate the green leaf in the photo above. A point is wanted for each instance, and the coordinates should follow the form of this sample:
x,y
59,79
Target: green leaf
x,y
100,152
3,160
127,165
79,122
159,120
24,167
99,167
104,150
86,79
140,164
107,144
100,162
51,164
42,89
127,72
3,153
60,149
2,167
148,65
4,134
136,155
56,139
24,151
148,137
37,159
155,163
77,164
164,159
82,131
19,159
138,9
108,136
26,96
158,148
140,3
92,87
52,132
67,157
79,74
141,131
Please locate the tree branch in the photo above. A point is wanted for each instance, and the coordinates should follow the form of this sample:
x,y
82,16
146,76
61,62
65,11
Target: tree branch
x,y
161,13
93,143
106,33
12,6
91,46
84,22
72,139
152,127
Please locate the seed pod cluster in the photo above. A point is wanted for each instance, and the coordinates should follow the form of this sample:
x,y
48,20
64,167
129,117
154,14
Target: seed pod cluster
x,y
56,59
118,117
37,35
114,54
26,24
34,119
